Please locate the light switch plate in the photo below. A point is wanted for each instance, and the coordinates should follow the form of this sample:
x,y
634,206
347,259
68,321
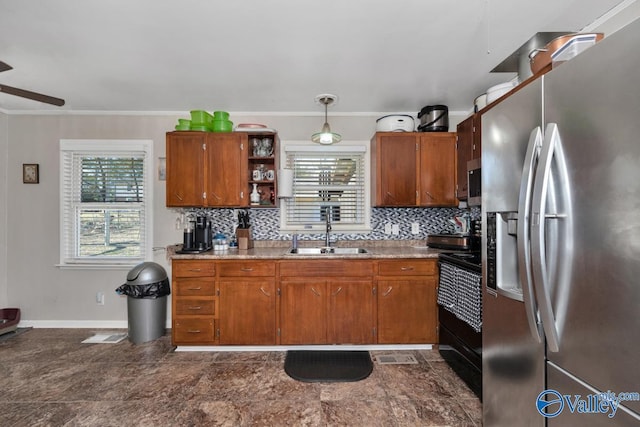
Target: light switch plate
x,y
395,229
387,228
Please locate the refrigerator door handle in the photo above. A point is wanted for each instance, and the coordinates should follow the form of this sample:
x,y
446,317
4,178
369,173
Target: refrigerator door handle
x,y
551,150
523,233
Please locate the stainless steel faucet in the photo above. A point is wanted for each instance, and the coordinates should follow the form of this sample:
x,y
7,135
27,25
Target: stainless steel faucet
x,y
327,214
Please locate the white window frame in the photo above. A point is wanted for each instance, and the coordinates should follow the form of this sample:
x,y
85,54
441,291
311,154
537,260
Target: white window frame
x,y
320,227
68,232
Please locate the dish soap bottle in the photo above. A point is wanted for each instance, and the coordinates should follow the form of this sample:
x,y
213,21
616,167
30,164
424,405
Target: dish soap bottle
x,y
255,196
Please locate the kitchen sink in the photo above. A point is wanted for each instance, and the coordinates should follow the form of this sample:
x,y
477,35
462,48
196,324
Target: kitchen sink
x,y
327,251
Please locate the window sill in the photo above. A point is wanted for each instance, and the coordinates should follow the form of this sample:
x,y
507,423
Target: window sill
x,y
96,266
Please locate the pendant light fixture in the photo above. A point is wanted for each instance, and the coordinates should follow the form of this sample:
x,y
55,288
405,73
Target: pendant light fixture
x,y
325,136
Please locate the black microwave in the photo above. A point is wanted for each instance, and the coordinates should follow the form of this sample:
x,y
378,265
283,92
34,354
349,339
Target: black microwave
x,y
474,182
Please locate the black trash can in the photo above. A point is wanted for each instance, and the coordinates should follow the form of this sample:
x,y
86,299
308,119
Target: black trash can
x,y
146,289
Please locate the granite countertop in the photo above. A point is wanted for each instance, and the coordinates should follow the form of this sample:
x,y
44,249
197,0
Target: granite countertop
x,y
280,250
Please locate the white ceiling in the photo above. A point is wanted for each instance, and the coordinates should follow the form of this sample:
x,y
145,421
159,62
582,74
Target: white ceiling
x,y
386,56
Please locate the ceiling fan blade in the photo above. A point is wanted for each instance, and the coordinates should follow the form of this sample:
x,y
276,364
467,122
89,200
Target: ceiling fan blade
x,y
5,67
32,95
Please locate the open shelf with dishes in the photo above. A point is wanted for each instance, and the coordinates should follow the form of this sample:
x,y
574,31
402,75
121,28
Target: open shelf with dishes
x,y
262,168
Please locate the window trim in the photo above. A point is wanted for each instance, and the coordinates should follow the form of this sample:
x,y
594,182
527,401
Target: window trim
x,y
344,146
105,146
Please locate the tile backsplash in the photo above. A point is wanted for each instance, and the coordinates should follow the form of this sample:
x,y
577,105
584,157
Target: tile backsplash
x,y
266,223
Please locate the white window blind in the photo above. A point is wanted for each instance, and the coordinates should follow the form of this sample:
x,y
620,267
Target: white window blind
x,y
331,181
106,196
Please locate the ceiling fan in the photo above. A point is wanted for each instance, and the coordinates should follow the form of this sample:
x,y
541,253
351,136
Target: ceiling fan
x,y
27,93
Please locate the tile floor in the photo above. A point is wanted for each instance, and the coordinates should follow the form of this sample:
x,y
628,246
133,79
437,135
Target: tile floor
x,y
49,378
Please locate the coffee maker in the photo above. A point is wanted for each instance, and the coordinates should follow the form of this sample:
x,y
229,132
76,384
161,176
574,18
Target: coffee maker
x,y
202,233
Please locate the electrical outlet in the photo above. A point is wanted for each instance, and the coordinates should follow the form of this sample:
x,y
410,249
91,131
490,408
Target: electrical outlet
x,y
387,228
395,229
100,298
415,228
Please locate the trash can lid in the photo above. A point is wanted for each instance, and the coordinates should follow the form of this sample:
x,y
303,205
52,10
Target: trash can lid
x,y
146,273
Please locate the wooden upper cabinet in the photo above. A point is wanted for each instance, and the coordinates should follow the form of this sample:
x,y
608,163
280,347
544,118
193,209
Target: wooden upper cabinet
x,y
226,170
437,169
185,169
395,164
468,147
413,169
206,169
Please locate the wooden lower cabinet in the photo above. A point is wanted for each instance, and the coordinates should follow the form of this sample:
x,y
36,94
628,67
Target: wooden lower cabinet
x,y
194,304
297,302
248,311
247,293
316,311
327,302
407,307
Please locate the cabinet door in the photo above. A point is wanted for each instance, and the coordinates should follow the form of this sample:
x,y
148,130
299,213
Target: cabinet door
x,y
477,137
464,153
437,169
407,311
396,166
350,315
247,311
303,308
185,169
226,169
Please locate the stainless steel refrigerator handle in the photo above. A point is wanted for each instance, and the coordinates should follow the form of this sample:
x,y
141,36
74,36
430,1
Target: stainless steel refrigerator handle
x,y
523,233
538,211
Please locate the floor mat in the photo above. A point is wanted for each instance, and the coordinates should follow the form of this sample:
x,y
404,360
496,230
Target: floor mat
x,y
106,338
328,366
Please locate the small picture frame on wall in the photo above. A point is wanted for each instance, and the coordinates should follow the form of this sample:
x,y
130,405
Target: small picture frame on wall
x,y
30,173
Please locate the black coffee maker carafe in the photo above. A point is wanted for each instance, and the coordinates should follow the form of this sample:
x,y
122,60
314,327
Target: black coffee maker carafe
x,y
203,233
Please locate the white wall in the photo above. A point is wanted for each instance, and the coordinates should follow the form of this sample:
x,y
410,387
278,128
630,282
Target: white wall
x,y
4,302
49,296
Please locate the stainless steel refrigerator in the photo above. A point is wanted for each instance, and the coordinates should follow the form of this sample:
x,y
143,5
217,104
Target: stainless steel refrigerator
x,y
561,244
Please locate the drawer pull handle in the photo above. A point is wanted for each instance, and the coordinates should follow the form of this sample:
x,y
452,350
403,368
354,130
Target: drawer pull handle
x,y
315,292
178,196
195,270
194,331
337,291
195,307
388,291
246,269
264,291
199,288
406,269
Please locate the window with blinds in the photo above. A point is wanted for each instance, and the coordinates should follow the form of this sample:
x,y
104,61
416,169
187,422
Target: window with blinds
x,y
106,202
326,181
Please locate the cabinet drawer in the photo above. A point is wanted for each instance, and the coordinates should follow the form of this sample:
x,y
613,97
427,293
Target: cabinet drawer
x,y
189,268
197,306
247,268
193,331
202,286
326,268
407,267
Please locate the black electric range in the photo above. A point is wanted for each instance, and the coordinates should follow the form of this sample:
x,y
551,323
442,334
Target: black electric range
x,y
460,312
